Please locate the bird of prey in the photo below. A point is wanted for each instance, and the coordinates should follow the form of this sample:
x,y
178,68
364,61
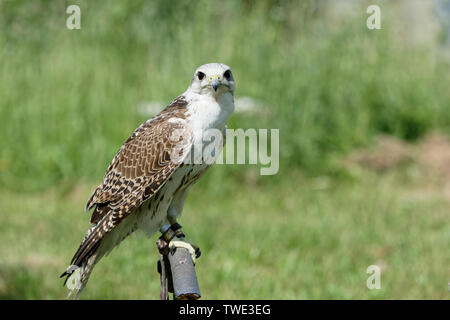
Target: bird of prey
x,y
147,182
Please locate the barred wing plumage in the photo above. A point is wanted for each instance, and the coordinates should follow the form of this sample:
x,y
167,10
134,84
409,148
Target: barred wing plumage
x,y
140,168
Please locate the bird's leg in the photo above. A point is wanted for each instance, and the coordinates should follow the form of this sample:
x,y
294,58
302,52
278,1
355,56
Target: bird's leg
x,y
179,241
175,237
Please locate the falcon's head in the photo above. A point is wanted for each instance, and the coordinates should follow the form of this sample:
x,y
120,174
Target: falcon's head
x,y
213,79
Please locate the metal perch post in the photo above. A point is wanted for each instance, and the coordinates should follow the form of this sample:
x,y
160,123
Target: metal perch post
x,y
177,273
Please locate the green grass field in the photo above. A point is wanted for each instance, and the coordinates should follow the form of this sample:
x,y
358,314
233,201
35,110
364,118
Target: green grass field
x,y
311,241
70,98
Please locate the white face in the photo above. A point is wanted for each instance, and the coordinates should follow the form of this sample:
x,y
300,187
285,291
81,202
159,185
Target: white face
x,y
213,79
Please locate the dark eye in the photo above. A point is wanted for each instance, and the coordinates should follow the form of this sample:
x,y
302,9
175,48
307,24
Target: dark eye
x,y
227,74
200,75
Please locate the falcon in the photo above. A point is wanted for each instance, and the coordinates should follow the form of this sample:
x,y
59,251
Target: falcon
x,y
147,182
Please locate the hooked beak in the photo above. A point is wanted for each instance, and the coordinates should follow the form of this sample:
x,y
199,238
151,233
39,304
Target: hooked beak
x,y
216,83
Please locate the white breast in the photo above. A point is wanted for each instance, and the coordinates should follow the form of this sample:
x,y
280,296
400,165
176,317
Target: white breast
x,y
204,112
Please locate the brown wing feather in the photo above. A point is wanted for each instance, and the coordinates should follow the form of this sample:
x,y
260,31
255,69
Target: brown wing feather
x,y
140,168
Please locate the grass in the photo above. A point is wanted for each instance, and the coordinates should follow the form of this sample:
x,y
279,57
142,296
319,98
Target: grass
x,y
261,242
70,98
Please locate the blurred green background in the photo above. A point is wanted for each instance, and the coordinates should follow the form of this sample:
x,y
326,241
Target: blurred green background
x,y
364,117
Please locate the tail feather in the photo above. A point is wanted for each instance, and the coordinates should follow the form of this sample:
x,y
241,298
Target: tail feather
x,y
82,263
81,274
97,242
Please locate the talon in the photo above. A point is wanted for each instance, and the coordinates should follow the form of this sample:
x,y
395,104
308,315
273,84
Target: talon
x,y
181,243
198,253
176,238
